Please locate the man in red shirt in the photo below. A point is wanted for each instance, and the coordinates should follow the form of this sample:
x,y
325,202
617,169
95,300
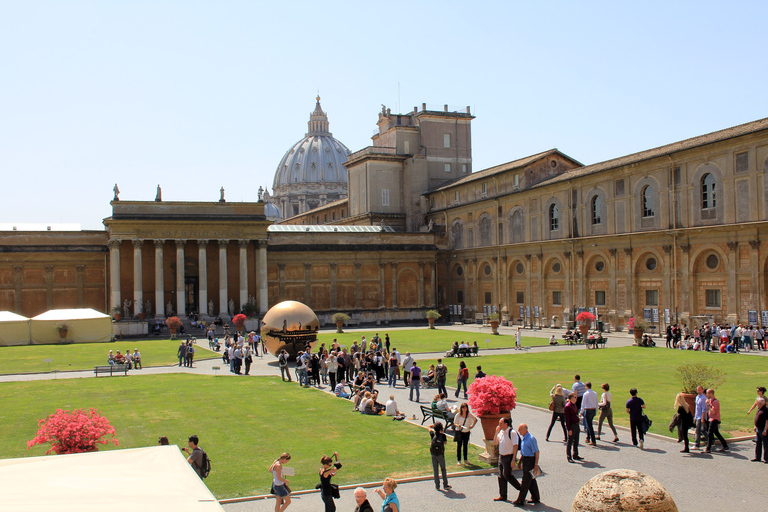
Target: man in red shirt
x,y
713,405
572,426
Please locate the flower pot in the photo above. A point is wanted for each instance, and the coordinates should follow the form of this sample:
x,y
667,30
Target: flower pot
x,y
584,328
173,333
638,335
339,325
494,327
431,323
142,316
63,333
117,316
490,422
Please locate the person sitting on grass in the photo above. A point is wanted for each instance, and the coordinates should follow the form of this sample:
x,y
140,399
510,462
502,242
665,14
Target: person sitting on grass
x,y
392,410
552,340
339,391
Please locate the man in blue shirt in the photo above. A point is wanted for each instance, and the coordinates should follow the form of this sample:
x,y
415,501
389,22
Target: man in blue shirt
x,y
529,450
701,423
579,388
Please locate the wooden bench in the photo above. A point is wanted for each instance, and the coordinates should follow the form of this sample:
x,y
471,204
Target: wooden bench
x,y
428,412
111,369
596,343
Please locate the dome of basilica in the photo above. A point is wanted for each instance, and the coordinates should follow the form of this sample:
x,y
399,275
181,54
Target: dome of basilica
x,y
312,172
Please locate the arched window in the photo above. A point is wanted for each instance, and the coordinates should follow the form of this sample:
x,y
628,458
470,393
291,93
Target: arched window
x,y
648,201
517,227
554,217
597,210
708,198
485,231
457,235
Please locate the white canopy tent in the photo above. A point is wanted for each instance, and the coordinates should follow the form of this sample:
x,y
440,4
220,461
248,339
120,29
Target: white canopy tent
x,y
85,326
14,329
154,478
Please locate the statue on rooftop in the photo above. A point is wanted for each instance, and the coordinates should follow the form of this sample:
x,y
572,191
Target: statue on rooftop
x,y
116,190
261,194
159,195
221,199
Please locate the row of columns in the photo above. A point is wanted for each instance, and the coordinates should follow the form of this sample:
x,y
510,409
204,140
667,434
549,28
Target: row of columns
x,y
180,306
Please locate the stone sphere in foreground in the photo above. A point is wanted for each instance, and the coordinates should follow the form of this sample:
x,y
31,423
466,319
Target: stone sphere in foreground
x,y
289,325
623,490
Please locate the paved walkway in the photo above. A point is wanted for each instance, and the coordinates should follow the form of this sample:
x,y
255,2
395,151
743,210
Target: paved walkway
x,y
697,481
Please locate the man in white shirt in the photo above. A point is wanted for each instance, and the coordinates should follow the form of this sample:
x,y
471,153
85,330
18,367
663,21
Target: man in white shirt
x,y
407,363
507,441
588,411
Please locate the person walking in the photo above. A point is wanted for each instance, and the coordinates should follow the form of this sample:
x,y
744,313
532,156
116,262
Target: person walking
x,y
461,379
588,412
507,441
685,420
558,413
437,451
463,423
713,405
441,372
279,484
700,416
415,372
571,411
181,353
407,363
529,457
327,471
635,406
387,493
579,388
282,361
761,431
518,339
606,413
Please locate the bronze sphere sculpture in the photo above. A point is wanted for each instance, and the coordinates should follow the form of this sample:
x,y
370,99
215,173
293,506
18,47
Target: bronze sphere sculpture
x,y
289,325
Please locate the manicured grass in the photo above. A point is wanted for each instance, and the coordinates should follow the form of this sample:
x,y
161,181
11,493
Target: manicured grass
x,y
651,371
430,340
84,356
243,425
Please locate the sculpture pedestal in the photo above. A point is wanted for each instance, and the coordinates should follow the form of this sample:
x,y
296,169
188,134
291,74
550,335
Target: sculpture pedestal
x,y
491,453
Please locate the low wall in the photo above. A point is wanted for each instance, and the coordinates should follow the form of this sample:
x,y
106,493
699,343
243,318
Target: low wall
x,y
130,328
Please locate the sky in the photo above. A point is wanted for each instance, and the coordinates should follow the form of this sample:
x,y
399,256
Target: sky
x,y
195,96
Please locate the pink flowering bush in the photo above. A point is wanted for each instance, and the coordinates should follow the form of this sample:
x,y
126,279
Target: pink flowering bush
x,y
73,432
239,321
637,322
585,318
492,395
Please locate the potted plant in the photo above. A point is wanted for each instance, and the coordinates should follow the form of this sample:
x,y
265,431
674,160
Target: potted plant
x,y
585,319
250,308
339,319
492,398
638,325
173,323
73,432
239,321
142,314
63,330
432,315
117,313
693,375
494,318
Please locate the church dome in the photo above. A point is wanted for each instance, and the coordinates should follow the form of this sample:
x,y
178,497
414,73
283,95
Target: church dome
x,y
312,172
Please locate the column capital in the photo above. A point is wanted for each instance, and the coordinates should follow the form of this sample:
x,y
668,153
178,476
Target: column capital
x,y
540,257
567,255
733,245
504,259
421,264
333,266
613,251
49,269
666,248
307,267
159,243
686,248
243,243
580,253
474,260
754,244
223,243
17,269
114,243
628,251
80,269
137,243
262,243
202,244
393,264
527,257
382,265
181,243
281,267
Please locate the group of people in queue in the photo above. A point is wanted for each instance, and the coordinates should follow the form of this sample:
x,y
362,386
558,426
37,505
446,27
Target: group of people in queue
x,y
715,337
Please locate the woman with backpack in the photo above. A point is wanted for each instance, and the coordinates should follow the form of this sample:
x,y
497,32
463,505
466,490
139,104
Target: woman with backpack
x,y
437,450
329,491
461,379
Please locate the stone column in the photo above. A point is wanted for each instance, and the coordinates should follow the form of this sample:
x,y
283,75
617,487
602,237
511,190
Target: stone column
x,y
494,272
243,272
629,282
666,286
159,280
115,301
685,278
504,295
393,267
358,285
474,301
420,284
181,308
263,285
308,284
466,289
433,285
580,278
542,290
18,281
80,280
382,287
567,299
281,281
223,292
49,286
757,282
202,265
529,288
732,307
333,286
613,294
138,285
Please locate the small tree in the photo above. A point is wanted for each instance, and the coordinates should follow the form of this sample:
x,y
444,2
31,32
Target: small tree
x,y
339,319
696,374
73,432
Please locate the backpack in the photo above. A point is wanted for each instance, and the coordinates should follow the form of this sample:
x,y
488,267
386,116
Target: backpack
x,y
282,361
437,446
205,464
465,373
441,370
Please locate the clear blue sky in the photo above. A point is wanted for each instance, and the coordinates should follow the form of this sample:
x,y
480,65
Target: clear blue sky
x,y
199,95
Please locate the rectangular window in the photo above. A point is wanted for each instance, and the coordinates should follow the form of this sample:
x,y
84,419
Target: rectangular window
x,y
713,298
651,297
485,190
487,297
385,197
407,147
501,233
446,140
599,298
742,161
447,167
520,296
557,298
470,238
456,197
333,215
517,181
460,296
619,188
432,202
464,168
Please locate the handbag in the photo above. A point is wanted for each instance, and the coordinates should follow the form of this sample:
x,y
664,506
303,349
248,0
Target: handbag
x,y
335,491
552,405
457,433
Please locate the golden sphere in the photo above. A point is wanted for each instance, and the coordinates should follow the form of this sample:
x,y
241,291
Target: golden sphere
x,y
289,325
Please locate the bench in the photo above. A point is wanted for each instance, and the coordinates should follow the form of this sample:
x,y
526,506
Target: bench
x,y
111,369
596,343
428,412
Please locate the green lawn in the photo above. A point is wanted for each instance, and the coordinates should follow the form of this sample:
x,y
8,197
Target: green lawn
x,y
651,371
243,425
430,340
84,356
